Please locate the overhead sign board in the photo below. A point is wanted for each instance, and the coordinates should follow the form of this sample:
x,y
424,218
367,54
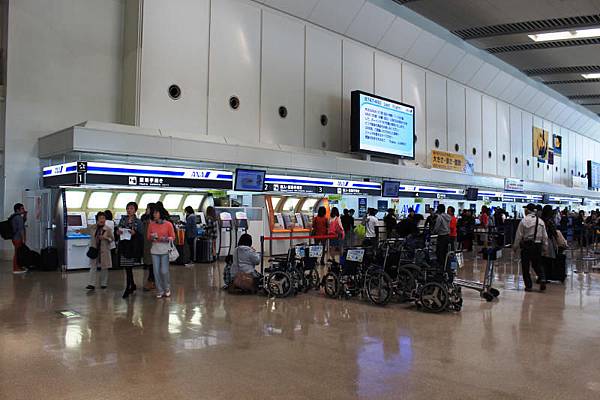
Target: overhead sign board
x,y
309,185
450,162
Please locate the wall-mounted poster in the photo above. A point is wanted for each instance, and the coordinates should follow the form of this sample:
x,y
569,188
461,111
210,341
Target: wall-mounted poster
x,y
557,145
540,144
550,157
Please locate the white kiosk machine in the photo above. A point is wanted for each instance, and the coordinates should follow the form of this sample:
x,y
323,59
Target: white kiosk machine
x,y
76,243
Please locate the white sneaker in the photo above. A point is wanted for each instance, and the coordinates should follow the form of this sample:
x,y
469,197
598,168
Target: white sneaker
x,y
159,296
168,293
19,271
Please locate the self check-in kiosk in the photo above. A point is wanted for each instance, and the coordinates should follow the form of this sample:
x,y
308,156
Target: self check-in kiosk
x,y
82,189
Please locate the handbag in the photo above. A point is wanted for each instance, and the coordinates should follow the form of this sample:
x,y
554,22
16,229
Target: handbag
x,y
173,253
561,241
92,253
244,281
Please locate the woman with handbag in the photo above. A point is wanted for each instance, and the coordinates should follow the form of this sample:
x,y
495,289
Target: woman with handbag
x,y
99,251
336,230
243,266
131,244
320,228
161,234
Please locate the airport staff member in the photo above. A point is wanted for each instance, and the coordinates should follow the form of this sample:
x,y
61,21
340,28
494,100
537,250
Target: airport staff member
x,y
531,237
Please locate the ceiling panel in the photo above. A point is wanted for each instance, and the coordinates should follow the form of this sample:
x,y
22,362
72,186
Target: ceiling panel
x,y
424,50
300,9
499,84
562,116
400,37
484,76
514,89
447,59
466,68
536,102
370,24
336,15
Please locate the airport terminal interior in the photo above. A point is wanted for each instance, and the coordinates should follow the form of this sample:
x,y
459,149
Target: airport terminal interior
x,y
316,199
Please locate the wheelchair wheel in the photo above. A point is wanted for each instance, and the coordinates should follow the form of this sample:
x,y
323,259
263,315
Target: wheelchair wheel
x,y
494,292
487,296
379,288
405,284
434,297
331,285
314,279
279,284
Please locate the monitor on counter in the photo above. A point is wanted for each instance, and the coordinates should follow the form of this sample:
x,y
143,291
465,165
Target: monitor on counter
x,y
382,126
249,180
545,198
390,189
471,194
76,220
593,174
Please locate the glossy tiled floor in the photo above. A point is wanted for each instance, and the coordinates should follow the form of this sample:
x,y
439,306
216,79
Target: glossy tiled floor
x,y
206,344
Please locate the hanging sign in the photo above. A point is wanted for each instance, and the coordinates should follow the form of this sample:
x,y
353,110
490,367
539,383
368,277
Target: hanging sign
x,y
514,185
449,161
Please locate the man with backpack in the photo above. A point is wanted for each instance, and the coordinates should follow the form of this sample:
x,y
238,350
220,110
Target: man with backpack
x,y
17,223
530,239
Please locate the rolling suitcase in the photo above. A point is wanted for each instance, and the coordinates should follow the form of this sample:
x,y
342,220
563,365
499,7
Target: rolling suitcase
x,y
558,268
203,253
49,259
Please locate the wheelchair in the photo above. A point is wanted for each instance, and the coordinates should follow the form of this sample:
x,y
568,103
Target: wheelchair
x,y
292,274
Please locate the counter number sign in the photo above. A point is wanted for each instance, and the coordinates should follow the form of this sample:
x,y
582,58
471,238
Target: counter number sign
x,y
82,168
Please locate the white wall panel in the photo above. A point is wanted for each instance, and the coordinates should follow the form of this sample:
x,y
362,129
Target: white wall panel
x,y
572,150
371,23
357,75
528,159
413,93
437,131
234,69
400,28
300,9
466,68
564,158
516,142
184,23
282,82
323,89
514,89
388,76
489,142
503,139
484,76
473,126
499,84
456,118
579,160
557,172
447,59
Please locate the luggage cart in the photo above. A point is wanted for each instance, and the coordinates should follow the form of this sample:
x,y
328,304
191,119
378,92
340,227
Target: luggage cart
x,y
485,288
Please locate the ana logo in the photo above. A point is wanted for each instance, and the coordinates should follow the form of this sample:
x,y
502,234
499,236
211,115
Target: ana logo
x,y
133,180
342,183
58,169
201,174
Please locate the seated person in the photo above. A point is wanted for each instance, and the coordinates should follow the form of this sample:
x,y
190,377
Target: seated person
x,y
244,258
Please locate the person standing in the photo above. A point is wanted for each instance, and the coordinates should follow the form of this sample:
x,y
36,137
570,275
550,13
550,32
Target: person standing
x,y
161,234
348,224
530,239
371,228
131,243
442,230
19,236
212,227
453,227
101,239
191,231
110,223
335,230
390,223
320,229
147,256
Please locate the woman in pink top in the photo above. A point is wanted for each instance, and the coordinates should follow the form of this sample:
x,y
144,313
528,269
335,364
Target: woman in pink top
x,y
161,234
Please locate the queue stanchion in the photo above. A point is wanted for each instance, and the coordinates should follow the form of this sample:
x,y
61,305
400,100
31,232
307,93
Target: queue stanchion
x,y
262,254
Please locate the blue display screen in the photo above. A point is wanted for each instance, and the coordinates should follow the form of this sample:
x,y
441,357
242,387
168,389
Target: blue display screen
x,y
382,126
390,189
249,180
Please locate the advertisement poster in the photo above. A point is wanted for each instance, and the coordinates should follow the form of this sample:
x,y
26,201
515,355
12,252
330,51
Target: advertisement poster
x,y
557,145
540,144
362,207
551,158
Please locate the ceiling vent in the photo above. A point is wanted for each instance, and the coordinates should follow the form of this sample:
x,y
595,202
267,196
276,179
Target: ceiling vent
x,y
582,69
402,2
571,81
543,45
528,26
583,96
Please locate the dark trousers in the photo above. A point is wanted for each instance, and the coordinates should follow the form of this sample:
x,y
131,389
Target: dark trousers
x,y
531,257
190,244
129,276
441,249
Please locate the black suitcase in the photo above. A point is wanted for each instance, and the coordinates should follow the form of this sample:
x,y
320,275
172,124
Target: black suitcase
x,y
558,268
49,259
28,258
203,253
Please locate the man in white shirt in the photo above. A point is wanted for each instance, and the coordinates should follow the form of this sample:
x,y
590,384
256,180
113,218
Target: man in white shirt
x,y
530,238
371,228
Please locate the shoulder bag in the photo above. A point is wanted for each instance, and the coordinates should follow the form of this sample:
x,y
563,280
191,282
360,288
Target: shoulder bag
x,y
173,253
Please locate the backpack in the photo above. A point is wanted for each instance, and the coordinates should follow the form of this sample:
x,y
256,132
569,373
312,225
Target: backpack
x,y
6,229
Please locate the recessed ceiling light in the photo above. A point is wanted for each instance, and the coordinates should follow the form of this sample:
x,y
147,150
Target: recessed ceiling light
x,y
565,35
595,75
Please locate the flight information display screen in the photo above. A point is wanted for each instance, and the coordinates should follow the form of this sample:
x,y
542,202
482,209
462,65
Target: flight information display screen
x,y
382,126
390,189
249,180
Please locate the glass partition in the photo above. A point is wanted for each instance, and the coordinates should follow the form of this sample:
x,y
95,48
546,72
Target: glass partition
x,y
290,204
148,198
171,201
309,204
122,199
193,200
